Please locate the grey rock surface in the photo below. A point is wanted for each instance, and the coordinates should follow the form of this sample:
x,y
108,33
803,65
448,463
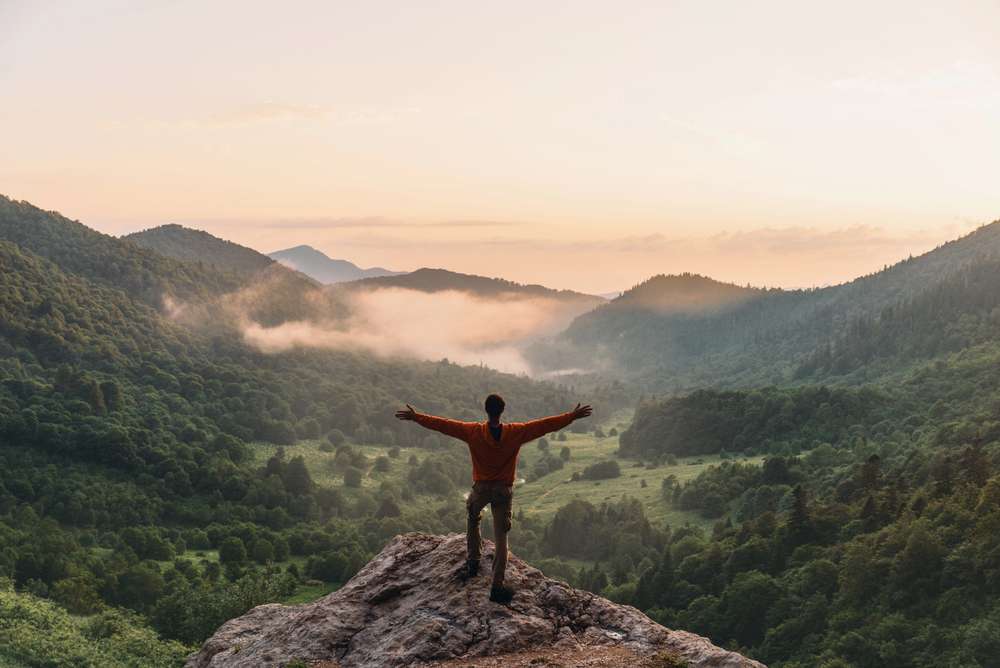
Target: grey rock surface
x,y
410,606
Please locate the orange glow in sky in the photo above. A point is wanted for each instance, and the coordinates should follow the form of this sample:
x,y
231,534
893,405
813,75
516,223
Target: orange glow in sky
x,y
583,144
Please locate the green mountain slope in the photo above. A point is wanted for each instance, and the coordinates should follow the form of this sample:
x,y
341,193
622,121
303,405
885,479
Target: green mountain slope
x,y
270,293
676,332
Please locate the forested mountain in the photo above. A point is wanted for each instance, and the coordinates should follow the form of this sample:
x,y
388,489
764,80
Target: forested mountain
x,y
69,308
323,268
269,293
440,280
684,332
957,311
100,258
189,245
125,432
683,294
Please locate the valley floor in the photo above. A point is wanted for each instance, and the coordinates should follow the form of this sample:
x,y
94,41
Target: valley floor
x,y
537,499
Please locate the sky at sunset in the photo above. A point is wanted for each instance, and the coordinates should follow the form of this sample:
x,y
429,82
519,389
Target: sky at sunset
x,y
576,144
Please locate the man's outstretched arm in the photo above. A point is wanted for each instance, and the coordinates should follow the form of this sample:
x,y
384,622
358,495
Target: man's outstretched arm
x,y
452,428
538,428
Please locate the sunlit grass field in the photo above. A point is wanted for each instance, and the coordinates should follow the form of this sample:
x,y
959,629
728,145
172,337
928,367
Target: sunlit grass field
x,y
544,496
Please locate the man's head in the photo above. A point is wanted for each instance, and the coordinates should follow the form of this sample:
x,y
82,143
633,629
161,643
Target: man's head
x,y
494,406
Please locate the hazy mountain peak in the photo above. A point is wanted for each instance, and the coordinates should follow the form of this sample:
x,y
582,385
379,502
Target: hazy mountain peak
x,y
683,293
322,267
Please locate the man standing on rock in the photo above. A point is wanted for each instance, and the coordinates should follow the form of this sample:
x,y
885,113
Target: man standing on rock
x,y
494,447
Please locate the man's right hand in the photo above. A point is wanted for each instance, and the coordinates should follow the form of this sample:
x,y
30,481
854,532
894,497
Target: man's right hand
x,y
582,411
408,414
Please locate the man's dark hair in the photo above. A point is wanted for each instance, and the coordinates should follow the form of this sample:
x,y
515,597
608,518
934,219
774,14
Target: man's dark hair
x,y
495,405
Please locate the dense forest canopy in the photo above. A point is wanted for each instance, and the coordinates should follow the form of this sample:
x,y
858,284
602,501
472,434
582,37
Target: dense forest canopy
x,y
711,421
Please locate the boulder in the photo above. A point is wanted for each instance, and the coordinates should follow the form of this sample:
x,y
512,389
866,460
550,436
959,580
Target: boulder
x,y
412,606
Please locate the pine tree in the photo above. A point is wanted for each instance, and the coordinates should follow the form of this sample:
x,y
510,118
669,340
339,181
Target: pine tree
x,y
975,466
663,581
799,522
296,477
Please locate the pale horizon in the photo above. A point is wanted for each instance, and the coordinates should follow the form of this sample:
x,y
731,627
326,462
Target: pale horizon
x,y
585,146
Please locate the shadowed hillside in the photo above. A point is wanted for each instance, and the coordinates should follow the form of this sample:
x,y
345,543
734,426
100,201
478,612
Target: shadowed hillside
x,y
196,246
683,332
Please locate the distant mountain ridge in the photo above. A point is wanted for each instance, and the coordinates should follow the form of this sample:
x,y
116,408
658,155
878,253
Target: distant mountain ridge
x,y
438,280
321,267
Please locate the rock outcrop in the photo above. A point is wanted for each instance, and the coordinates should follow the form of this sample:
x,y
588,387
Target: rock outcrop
x,y
410,606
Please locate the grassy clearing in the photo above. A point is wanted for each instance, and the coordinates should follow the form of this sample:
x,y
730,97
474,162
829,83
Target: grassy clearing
x,y
544,496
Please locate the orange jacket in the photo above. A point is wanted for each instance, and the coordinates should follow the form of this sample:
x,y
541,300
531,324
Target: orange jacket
x,y
493,460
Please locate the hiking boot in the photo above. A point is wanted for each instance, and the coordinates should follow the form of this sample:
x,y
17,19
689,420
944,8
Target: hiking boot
x,y
472,568
501,594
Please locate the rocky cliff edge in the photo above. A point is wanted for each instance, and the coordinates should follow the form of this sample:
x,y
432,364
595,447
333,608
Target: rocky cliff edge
x,y
410,606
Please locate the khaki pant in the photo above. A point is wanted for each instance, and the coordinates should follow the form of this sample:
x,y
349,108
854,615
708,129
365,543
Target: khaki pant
x,y
499,496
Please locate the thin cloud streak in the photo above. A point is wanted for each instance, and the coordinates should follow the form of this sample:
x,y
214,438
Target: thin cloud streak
x,y
771,239
353,223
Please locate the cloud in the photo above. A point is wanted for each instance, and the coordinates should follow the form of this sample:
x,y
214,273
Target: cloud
x,y
349,223
396,322
959,84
